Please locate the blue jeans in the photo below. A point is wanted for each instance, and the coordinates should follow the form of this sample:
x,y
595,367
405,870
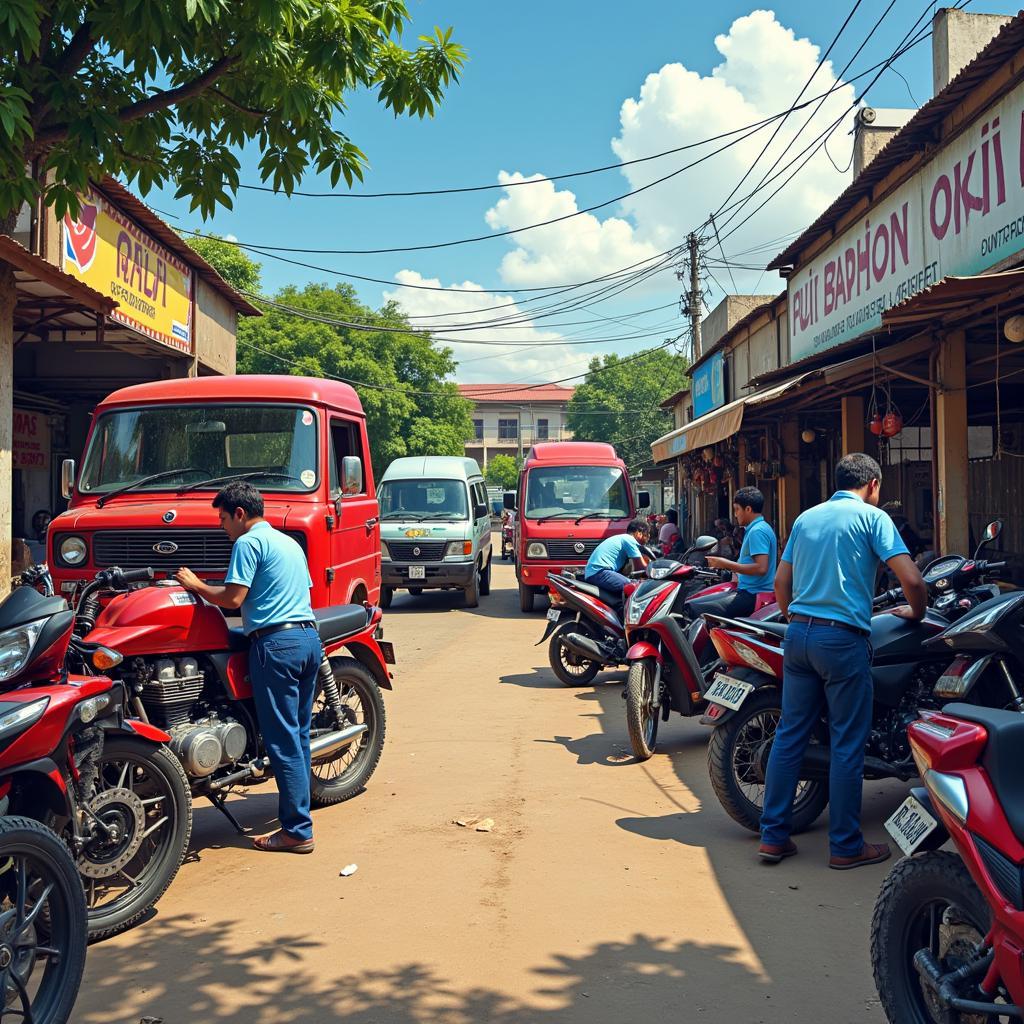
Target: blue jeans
x,y
283,668
824,666
608,579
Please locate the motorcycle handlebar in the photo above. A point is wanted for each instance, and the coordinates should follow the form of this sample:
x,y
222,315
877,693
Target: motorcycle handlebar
x,y
146,575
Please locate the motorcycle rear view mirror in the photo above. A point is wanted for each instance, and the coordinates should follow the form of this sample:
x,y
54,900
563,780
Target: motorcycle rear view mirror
x,y
992,532
703,543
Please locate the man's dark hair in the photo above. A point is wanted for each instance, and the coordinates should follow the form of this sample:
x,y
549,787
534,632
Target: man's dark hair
x,y
240,494
749,497
855,471
639,526
672,516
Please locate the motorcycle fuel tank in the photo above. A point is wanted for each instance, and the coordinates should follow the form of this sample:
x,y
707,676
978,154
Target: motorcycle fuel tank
x,y
897,639
158,620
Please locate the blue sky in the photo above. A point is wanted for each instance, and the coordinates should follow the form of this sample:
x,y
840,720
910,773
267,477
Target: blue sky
x,y
543,93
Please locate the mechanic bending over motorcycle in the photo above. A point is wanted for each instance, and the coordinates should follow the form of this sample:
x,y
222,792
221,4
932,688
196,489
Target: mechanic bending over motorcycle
x,y
825,585
268,578
755,568
610,557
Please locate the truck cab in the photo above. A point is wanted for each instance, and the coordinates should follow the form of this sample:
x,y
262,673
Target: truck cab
x,y
157,454
571,496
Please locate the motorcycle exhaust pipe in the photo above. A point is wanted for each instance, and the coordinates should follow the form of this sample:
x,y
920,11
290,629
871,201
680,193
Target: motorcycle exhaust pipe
x,y
332,742
818,759
584,647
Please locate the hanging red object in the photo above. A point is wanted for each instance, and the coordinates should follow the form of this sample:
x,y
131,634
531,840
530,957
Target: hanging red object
x,y
718,461
875,426
892,424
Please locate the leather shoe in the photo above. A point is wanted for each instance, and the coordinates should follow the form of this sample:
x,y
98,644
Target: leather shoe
x,y
772,854
871,853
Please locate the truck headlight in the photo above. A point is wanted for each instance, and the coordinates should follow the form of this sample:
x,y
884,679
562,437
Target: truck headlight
x,y
385,554
458,549
536,550
16,646
72,550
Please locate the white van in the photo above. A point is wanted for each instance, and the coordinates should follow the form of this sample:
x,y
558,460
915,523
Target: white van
x,y
435,528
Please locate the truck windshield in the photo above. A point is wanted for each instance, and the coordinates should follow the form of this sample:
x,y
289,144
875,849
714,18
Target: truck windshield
x,y
423,499
566,491
203,442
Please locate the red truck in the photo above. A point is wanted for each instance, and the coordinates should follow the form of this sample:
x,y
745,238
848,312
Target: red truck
x,y
157,453
571,496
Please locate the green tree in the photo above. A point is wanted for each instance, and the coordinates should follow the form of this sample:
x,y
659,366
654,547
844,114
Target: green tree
x,y
618,402
411,406
230,262
502,472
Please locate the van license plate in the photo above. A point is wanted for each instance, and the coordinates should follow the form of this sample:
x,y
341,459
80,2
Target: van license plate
x,y
911,825
417,572
728,692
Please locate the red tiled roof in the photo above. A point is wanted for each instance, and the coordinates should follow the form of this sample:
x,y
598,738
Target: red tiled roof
x,y
516,393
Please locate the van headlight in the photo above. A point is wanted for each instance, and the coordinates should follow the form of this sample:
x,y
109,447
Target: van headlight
x,y
16,647
536,550
72,550
22,716
459,549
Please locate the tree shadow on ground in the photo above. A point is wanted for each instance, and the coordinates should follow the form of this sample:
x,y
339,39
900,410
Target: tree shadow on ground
x,y
178,972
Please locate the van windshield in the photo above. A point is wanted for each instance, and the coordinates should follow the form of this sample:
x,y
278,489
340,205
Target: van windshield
x,y
423,499
564,491
186,444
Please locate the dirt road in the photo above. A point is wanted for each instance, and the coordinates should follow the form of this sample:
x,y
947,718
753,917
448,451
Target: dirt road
x,y
607,892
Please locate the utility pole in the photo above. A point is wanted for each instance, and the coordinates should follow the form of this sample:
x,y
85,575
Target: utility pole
x,y
692,298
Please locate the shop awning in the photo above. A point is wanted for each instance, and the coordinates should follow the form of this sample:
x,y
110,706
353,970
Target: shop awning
x,y
717,425
954,298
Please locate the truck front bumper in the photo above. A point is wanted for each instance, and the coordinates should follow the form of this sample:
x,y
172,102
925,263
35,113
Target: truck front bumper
x,y
535,574
435,574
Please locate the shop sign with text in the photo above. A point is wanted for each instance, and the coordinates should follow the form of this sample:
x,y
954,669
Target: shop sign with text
x,y
709,385
111,253
962,213
31,448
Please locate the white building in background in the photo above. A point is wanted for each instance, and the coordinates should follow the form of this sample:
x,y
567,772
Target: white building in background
x,y
509,418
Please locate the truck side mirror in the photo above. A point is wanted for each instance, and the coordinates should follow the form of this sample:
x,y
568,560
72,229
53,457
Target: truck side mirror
x,y
508,500
643,499
67,477
351,475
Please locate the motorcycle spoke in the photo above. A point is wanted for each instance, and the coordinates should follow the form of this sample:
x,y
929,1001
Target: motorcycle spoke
x,y
49,952
26,1012
34,912
124,774
22,893
132,882
152,828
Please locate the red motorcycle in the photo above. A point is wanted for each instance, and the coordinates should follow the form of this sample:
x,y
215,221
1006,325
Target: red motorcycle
x,y
70,759
948,928
186,672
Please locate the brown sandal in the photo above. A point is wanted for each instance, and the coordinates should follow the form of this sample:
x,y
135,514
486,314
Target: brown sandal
x,y
871,853
281,842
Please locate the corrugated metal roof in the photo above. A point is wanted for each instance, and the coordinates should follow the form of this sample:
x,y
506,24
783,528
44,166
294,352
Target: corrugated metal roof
x,y
919,130
951,296
36,268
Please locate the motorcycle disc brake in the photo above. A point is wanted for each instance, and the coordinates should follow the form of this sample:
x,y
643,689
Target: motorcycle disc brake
x,y
959,942
124,815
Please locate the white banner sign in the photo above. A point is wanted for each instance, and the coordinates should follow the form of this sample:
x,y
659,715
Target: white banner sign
x,y
962,213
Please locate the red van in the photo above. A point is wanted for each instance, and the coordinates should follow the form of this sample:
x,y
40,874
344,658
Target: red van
x,y
572,495
157,453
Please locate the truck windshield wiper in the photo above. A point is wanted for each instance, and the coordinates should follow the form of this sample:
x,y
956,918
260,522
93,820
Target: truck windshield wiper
x,y
142,481
596,512
402,515
236,476
556,515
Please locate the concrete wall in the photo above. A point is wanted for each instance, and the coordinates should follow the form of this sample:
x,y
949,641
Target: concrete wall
x,y
957,38
729,312
526,416
215,328
873,128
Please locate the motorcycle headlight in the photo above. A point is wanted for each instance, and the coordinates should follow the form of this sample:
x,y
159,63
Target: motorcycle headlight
x,y
639,601
536,550
72,550
385,554
15,647
22,716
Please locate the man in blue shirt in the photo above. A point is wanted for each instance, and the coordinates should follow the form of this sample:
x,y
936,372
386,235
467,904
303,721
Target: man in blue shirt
x,y
825,585
755,567
610,557
268,578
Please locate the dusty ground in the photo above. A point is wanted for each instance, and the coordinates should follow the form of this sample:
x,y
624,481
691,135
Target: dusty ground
x,y
607,892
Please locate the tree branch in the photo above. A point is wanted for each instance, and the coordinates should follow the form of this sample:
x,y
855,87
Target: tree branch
x,y
76,51
240,107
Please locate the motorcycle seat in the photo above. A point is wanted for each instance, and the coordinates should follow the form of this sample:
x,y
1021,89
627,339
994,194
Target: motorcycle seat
x,y
1003,757
775,628
605,595
339,621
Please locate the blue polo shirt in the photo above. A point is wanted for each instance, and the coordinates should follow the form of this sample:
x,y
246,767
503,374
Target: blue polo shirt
x,y
612,553
835,549
274,569
758,539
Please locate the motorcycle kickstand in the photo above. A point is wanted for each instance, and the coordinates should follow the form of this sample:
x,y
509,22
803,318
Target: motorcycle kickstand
x,y
218,801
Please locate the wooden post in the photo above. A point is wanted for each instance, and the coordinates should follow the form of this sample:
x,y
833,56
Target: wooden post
x,y
789,485
950,444
853,423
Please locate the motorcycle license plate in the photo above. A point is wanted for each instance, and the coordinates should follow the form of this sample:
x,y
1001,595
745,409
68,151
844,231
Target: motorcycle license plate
x,y
728,692
910,825
417,572
553,614
387,651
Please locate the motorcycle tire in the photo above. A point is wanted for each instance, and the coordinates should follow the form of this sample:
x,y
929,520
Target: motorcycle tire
x,y
62,929
472,592
729,741
901,925
158,871
386,595
526,596
485,580
641,718
352,678
571,669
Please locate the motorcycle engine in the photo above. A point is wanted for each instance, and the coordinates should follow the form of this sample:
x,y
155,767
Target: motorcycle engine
x,y
204,745
889,738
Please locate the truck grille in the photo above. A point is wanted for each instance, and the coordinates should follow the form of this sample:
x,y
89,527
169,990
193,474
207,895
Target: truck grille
x,y
567,548
406,550
202,550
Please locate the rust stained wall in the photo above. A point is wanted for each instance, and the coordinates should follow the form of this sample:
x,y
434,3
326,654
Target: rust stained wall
x,y
215,327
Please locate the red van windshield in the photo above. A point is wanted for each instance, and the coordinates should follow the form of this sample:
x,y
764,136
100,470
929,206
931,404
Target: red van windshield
x,y
576,490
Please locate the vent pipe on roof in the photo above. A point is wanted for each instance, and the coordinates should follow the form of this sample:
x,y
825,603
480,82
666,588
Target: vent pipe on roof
x,y
957,38
872,129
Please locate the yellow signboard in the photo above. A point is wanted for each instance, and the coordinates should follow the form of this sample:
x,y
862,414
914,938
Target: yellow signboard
x,y
112,254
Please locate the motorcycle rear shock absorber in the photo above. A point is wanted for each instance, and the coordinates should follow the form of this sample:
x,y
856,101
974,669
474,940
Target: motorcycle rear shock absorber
x,y
330,687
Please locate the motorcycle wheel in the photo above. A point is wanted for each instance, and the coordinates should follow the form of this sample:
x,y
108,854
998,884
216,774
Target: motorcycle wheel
x,y
737,753
571,669
929,900
641,718
43,922
345,775
142,792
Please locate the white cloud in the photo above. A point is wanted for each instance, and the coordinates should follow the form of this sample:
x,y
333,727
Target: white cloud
x,y
528,362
